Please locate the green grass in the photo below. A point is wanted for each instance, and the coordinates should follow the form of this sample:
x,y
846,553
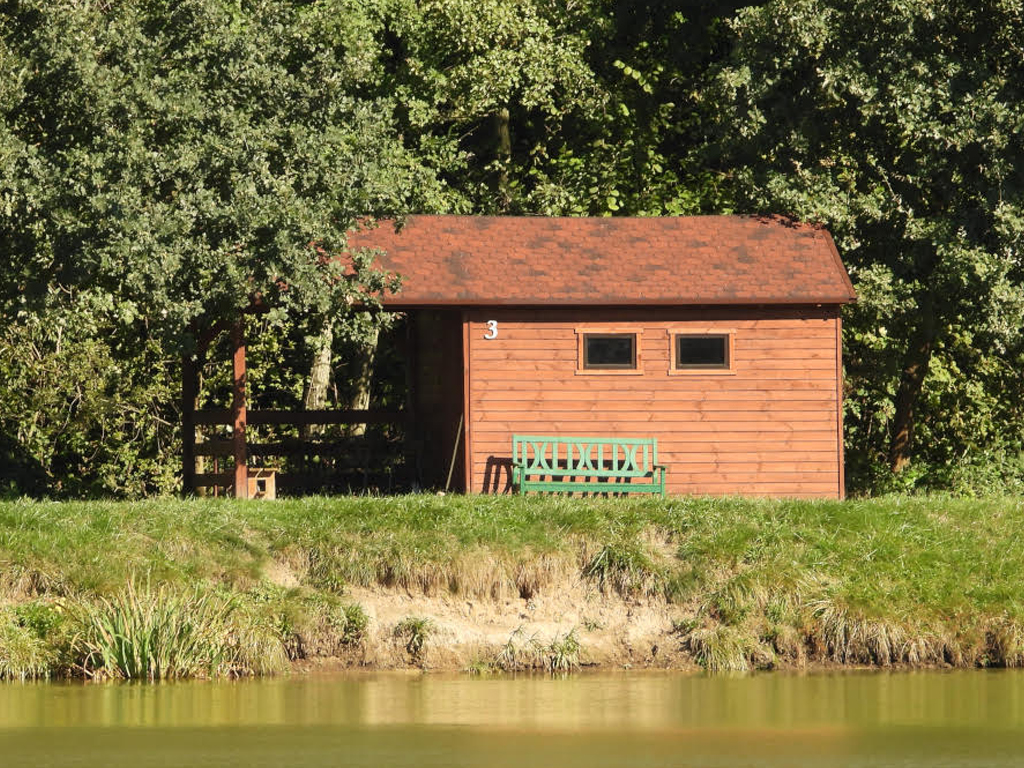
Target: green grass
x,y
166,633
563,653
25,654
756,582
414,632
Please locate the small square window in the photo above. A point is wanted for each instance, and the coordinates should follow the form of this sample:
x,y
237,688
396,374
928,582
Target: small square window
x,y
609,351
702,352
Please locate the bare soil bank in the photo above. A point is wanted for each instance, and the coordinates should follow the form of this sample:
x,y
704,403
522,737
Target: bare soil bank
x,y
482,635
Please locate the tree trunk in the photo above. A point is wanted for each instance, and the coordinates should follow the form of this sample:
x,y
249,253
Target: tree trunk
x,y
915,369
362,377
503,137
319,378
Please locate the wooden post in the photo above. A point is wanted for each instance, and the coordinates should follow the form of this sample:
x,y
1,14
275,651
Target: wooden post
x,y
467,439
238,412
188,425
413,434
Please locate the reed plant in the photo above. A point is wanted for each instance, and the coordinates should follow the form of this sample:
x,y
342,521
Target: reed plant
x,y
142,633
520,652
563,653
526,652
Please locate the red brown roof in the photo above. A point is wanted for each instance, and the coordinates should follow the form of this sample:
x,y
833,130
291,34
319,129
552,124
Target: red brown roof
x,y
542,261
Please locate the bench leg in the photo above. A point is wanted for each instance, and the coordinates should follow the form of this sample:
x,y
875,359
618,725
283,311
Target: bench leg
x,y
517,481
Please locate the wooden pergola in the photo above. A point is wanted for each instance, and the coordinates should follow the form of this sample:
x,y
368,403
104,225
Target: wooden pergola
x,y
239,416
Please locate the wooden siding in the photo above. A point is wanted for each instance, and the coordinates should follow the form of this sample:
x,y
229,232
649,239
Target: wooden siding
x,y
770,427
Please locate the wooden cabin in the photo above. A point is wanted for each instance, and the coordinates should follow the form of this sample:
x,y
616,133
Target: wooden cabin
x,y
720,336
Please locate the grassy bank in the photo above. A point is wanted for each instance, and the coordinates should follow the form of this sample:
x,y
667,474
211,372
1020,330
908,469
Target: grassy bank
x,y
169,588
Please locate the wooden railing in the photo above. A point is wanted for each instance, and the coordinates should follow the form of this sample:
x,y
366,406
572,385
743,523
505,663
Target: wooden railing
x,y
239,417
362,450
213,416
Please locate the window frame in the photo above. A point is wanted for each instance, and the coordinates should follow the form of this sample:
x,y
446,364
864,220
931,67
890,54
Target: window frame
x,y
581,348
728,369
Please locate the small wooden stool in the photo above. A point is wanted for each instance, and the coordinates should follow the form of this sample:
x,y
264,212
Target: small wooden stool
x,y
263,483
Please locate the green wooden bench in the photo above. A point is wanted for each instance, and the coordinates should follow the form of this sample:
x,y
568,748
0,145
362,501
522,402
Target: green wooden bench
x,y
586,464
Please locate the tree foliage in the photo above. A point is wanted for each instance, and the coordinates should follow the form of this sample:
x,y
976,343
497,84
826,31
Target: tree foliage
x,y
167,163
186,157
898,125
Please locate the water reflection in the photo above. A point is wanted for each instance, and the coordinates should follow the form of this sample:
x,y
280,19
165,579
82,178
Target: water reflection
x,y
584,702
902,719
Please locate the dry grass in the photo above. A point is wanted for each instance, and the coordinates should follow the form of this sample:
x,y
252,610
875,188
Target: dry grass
x,y
523,652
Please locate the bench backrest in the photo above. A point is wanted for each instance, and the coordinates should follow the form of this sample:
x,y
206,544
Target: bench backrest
x,y
586,456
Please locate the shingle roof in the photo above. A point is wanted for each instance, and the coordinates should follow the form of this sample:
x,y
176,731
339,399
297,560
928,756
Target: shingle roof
x,y
541,261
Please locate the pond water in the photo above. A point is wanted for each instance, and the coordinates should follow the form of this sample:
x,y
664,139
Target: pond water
x,y
954,719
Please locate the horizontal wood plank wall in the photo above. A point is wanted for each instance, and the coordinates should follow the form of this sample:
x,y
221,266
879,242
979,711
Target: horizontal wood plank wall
x,y
770,428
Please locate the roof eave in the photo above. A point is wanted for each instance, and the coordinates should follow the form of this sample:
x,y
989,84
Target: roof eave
x,y
400,302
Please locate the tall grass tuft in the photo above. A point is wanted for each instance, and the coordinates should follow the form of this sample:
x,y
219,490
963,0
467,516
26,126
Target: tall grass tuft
x,y
519,652
626,568
738,598
309,624
845,637
723,648
24,654
526,652
564,653
146,634
252,646
1006,643
356,623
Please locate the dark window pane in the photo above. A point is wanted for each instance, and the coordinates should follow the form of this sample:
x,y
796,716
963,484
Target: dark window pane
x,y
609,350
702,351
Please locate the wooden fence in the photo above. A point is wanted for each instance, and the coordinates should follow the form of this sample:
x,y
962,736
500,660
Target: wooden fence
x,y
330,463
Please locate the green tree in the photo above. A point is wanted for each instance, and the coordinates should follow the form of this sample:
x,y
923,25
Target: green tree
x,y
898,124
189,156
486,84
588,108
164,165
640,154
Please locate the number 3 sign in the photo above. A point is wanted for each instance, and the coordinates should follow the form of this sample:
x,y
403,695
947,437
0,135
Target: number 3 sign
x,y
492,330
